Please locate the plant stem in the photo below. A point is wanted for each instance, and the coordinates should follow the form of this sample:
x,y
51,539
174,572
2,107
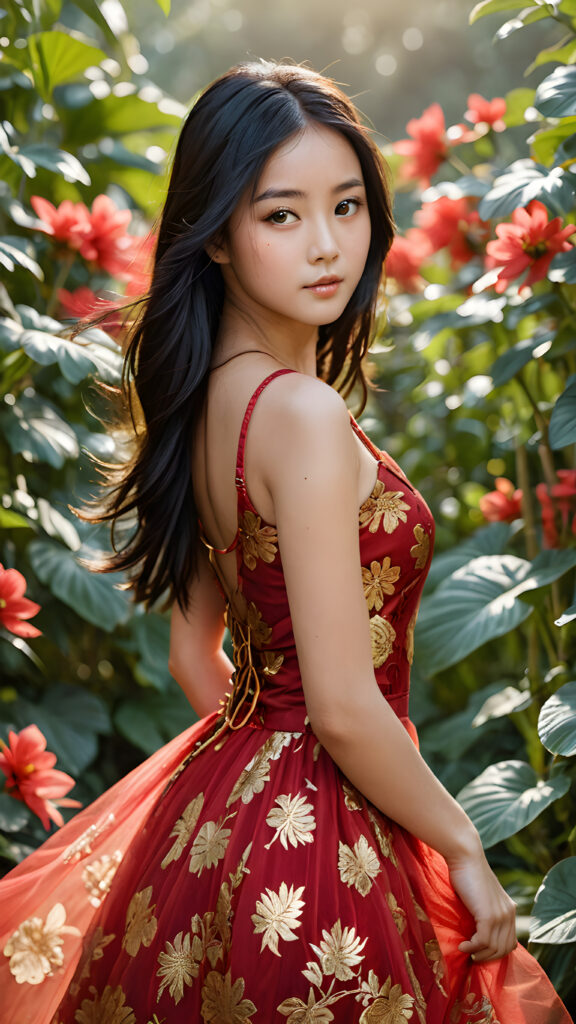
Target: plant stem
x,y
63,271
527,504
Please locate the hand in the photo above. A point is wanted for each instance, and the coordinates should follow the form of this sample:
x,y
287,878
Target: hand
x,y
492,909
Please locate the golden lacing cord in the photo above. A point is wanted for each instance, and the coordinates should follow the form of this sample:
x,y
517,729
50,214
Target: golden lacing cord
x,y
246,685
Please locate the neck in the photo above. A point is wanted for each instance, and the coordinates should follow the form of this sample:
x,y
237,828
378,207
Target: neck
x,y
290,343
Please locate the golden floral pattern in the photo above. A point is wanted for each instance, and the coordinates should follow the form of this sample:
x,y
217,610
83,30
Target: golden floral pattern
x,y
257,541
398,913
260,631
419,1002
223,1002
36,947
109,1008
383,838
352,798
256,774
293,820
339,951
179,965
83,845
358,866
421,549
209,845
384,507
312,1012
409,641
434,954
391,1006
141,924
379,580
382,637
97,876
277,916
93,950
272,662
183,829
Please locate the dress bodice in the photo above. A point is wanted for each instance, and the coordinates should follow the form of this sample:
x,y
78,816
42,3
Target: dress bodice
x,y
396,537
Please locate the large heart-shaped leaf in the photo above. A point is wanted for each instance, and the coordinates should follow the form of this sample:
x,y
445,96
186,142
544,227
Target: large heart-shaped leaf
x,y
556,95
58,57
523,181
93,597
475,604
16,252
557,721
152,635
563,419
511,361
480,601
506,797
34,427
153,719
554,910
57,160
488,540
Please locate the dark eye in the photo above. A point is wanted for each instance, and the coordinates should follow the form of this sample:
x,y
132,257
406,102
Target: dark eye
x,y
347,207
280,217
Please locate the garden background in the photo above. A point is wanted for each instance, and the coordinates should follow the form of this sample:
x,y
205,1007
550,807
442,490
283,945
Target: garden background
x,y
475,362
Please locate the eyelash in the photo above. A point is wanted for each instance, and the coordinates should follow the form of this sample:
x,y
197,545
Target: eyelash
x,y
283,209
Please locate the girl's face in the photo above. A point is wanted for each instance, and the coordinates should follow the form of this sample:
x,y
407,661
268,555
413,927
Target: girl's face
x,y
296,250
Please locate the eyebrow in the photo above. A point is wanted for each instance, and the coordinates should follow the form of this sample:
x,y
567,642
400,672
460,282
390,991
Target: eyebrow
x,y
294,193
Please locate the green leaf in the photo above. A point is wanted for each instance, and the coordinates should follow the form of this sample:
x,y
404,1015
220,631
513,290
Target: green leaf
x,y
152,635
494,7
15,252
517,102
70,719
523,181
10,520
545,144
554,910
563,52
526,17
55,524
488,540
35,428
455,732
57,160
92,596
505,702
556,95
509,363
92,11
557,721
57,57
506,797
562,429
480,598
14,815
164,6
566,616
13,153
153,719
114,115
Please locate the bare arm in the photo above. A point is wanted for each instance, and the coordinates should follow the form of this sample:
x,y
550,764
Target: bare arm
x,y
313,482
196,660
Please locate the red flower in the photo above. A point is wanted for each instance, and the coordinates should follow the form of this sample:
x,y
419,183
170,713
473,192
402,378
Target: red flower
x,y
405,258
69,222
558,502
84,304
502,505
107,243
30,777
14,607
452,223
428,147
481,111
529,243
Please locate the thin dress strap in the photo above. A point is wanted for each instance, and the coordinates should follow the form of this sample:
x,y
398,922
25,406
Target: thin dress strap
x,y
240,478
240,473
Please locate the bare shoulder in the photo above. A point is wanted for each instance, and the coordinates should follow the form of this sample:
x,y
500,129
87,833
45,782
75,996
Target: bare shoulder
x,y
300,406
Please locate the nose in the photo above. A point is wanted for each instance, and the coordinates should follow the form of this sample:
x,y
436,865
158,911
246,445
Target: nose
x,y
323,246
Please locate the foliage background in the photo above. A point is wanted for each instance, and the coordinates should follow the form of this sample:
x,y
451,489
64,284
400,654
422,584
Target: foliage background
x,y
474,387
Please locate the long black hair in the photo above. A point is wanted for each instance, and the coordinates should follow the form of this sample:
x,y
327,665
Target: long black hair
x,y
229,134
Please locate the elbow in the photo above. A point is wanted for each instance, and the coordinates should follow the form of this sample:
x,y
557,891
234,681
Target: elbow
x,y
333,726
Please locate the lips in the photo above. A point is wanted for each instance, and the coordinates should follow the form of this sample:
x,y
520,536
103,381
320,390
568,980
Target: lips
x,y
325,281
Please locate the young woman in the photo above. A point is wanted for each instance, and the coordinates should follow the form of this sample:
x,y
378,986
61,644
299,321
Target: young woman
x,y
290,857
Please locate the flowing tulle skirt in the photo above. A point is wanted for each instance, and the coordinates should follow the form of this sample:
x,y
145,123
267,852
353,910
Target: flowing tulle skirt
x,y
252,883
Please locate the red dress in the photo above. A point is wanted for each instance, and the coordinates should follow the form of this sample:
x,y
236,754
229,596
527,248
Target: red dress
x,y
237,876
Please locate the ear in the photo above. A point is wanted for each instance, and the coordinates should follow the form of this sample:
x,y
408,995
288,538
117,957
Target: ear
x,y
218,251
